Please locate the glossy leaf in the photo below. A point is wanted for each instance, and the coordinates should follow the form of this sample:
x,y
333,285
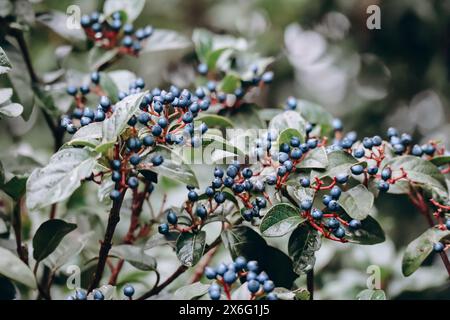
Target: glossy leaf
x,y
357,202
15,269
5,65
303,243
369,233
132,8
190,247
164,40
315,159
135,256
191,291
280,219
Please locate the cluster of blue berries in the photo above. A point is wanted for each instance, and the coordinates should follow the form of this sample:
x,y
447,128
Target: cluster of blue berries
x,y
80,294
258,283
110,32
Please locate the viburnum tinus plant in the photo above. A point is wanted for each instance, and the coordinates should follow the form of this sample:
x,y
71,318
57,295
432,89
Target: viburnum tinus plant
x,y
290,172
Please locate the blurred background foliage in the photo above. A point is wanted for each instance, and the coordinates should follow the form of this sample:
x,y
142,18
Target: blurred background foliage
x,y
372,79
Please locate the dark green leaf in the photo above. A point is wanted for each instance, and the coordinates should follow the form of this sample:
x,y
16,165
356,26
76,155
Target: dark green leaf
x,y
317,115
15,269
419,249
190,247
315,159
230,83
338,162
440,160
243,241
369,233
286,135
60,178
135,256
214,120
109,86
48,236
280,219
15,188
303,243
357,202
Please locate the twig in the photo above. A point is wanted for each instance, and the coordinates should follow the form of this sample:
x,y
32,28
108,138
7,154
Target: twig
x,y
17,226
310,283
113,220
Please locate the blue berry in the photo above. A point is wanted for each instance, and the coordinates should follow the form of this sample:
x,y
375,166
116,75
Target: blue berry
x,y
305,182
447,224
156,130
201,212
85,121
399,148
128,290
335,192
192,196
304,147
218,172
383,185
262,277
438,247
247,173
71,128
271,180
251,275
416,150
316,214
252,266
326,199
230,276
271,296
377,141
98,295
148,141
240,263
367,143
127,41
357,169
354,224
144,118
247,215
214,292
202,69
406,139
172,217
333,223
210,273
372,170
128,29
267,77
115,194
289,165
135,159
116,176
157,160
221,269
339,232
116,164
238,188
392,132
71,90
80,294
386,174
283,157
219,197
97,27
306,204
284,147
296,153
342,178
359,153
232,171
291,103
217,183
85,21
203,128
99,116
163,228
295,142
312,143
346,143
337,124
253,286
333,205
428,149
268,286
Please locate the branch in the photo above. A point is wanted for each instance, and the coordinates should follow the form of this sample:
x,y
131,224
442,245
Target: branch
x,y
310,283
113,220
181,269
17,226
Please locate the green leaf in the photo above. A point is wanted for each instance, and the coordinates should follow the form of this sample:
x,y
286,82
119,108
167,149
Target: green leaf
x,y
5,94
286,135
246,117
303,243
338,162
48,236
314,159
190,247
5,65
15,269
213,56
243,241
109,86
57,22
116,124
135,256
419,249
203,44
289,119
316,114
280,219
357,202
371,294
15,188
11,110
230,83
164,40
418,170
173,166
191,291
369,233
214,120
299,294
132,8
60,178
440,160
97,57
69,248
89,136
